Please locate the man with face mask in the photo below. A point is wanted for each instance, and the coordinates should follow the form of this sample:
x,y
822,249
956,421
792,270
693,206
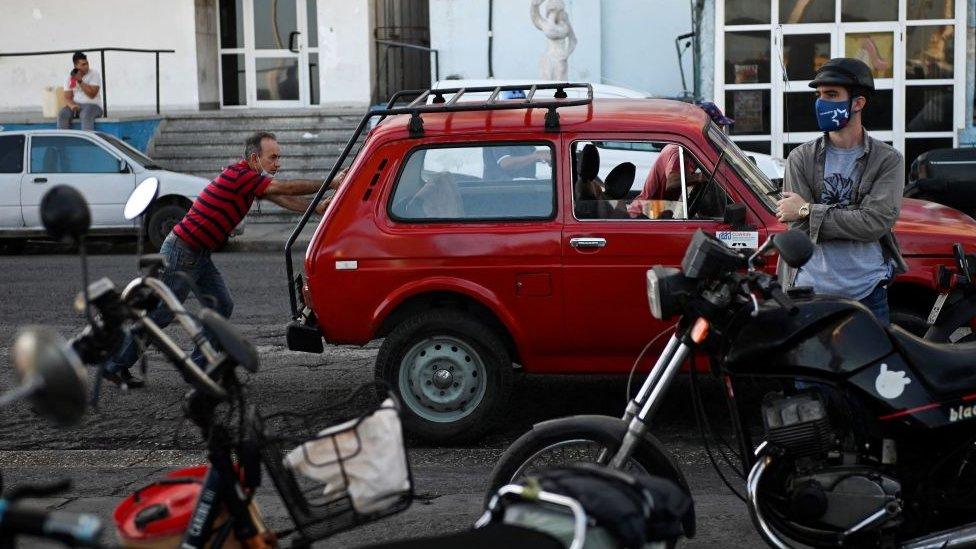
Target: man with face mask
x,y
215,213
844,190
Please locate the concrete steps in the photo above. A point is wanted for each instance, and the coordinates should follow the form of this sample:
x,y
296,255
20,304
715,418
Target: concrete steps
x,y
202,144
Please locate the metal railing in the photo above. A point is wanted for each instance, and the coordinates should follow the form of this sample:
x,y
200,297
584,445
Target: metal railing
x,y
101,52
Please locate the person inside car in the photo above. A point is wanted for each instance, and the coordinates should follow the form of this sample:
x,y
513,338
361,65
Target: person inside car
x,y
664,180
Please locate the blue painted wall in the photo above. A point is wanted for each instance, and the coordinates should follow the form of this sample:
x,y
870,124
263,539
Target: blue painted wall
x,y
137,133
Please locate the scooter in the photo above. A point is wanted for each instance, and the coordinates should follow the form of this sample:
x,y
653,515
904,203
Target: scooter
x,y
869,441
330,476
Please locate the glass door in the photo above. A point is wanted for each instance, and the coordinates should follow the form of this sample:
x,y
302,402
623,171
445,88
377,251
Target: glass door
x,y
269,53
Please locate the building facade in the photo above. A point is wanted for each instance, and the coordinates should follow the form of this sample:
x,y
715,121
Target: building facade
x,y
765,53
755,57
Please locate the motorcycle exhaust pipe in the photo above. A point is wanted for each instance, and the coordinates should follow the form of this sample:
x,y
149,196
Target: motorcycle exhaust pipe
x,y
964,536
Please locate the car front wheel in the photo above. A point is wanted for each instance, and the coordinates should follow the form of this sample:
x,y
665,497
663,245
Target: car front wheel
x,y
451,372
161,221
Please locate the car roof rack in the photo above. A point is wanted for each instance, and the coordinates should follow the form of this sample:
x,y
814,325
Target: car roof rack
x,y
439,104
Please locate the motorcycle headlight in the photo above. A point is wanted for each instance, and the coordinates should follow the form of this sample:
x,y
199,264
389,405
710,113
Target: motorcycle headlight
x,y
664,285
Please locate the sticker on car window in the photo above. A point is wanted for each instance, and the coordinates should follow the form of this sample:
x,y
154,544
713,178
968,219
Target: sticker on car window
x,y
739,239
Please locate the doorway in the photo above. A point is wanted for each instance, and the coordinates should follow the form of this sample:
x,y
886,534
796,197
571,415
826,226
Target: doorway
x,y
269,53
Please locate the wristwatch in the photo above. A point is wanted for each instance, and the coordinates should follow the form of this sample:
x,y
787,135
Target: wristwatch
x,y
804,210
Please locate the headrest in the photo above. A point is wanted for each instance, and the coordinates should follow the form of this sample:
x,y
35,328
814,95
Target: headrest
x,y
589,163
620,180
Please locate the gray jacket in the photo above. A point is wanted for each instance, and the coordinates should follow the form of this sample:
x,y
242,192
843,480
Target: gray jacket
x,y
874,207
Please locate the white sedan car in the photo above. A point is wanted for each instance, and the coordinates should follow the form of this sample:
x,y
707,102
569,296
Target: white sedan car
x,y
104,168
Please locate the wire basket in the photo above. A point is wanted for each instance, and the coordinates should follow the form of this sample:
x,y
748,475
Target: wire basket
x,y
333,476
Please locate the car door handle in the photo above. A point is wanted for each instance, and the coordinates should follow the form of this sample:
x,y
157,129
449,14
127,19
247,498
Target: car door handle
x,y
588,243
40,180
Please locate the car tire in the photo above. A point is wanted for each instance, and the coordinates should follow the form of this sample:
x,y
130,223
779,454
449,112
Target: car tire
x,y
451,372
161,221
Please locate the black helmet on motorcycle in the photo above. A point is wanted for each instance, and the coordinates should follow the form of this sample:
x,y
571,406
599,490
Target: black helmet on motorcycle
x,y
847,72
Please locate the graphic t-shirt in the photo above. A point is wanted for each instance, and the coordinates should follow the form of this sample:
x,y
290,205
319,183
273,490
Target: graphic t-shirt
x,y
846,268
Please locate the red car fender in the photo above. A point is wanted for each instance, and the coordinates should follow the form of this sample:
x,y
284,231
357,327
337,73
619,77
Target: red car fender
x,y
477,292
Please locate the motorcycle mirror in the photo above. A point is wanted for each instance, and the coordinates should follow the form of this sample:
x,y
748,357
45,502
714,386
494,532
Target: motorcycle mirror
x,y
65,213
141,198
794,246
50,375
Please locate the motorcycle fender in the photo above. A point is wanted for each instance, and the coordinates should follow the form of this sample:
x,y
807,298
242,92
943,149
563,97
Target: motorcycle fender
x,y
618,428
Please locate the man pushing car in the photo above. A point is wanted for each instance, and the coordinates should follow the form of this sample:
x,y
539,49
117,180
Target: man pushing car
x,y
220,207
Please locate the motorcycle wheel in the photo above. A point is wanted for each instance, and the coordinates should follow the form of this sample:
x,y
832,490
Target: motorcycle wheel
x,y
578,439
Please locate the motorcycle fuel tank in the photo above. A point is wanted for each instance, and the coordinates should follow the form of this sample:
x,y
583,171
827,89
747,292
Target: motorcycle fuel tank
x,y
826,338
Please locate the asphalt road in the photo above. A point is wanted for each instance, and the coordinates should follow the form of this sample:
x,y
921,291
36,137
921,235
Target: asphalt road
x,y
130,440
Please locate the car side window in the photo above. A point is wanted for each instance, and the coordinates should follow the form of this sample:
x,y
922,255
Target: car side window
x,y
477,183
11,153
68,154
642,180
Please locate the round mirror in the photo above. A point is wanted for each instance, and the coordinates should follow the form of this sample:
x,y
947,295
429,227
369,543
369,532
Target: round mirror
x,y
64,213
141,198
794,246
43,360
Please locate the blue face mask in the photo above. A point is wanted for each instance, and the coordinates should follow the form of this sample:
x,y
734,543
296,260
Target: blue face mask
x,y
833,115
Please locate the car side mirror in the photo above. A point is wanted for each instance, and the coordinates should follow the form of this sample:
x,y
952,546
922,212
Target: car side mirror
x,y
65,213
735,216
123,166
50,375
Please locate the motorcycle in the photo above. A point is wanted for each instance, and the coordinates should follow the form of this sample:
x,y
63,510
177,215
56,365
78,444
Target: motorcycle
x,y
53,381
954,309
868,440
331,476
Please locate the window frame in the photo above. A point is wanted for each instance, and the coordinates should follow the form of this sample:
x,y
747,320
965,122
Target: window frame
x,y
30,167
687,151
474,220
24,157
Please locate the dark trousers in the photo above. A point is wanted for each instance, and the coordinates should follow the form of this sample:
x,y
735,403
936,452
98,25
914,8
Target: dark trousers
x,y
199,267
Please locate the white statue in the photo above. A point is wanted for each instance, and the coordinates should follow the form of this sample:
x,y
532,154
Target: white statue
x,y
553,21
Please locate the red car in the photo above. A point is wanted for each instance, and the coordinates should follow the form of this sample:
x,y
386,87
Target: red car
x,y
481,239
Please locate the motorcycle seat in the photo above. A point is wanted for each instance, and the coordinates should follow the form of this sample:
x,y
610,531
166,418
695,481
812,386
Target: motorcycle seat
x,y
945,367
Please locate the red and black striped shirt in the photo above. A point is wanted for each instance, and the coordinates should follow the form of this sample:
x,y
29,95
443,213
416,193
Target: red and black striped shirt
x,y
221,206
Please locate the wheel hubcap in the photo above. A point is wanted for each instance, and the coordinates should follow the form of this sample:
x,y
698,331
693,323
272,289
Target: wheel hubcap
x,y
442,379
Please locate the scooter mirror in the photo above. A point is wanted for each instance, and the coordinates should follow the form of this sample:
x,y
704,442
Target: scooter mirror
x,y
141,198
794,246
50,375
65,213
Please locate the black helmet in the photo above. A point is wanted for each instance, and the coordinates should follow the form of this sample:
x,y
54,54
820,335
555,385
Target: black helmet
x,y
844,71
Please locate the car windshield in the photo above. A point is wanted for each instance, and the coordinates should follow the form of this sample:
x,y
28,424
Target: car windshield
x,y
128,149
765,189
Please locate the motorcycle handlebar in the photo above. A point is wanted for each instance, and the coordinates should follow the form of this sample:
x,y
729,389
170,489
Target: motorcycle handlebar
x,y
73,529
784,301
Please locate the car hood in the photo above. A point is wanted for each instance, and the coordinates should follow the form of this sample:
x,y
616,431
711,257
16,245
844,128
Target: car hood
x,y
927,228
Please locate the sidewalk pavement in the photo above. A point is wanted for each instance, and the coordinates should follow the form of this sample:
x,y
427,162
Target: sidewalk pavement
x,y
271,236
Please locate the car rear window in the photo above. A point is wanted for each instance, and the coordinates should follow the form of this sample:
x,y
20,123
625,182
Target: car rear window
x,y
11,153
506,182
